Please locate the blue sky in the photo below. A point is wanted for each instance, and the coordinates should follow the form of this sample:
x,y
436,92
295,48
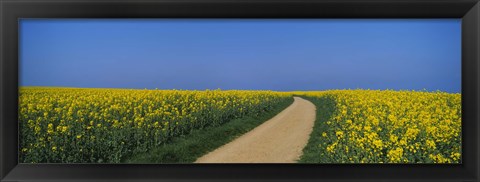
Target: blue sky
x,y
242,54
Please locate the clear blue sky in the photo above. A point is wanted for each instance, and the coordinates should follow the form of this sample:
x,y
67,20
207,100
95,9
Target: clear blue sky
x,y
242,54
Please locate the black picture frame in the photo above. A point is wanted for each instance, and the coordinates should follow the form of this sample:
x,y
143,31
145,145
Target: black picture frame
x,y
12,10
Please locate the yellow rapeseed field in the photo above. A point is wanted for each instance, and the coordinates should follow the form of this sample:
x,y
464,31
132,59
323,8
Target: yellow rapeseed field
x,y
103,125
371,126
73,125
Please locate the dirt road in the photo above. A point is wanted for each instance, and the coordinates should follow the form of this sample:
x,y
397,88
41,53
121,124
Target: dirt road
x,y
278,140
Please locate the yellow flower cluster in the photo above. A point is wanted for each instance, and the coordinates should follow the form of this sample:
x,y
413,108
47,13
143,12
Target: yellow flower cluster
x,y
371,126
103,125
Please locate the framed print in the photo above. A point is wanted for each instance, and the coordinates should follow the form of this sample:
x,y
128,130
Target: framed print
x,y
239,90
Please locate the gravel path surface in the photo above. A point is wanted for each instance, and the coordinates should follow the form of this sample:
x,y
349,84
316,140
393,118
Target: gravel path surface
x,y
278,140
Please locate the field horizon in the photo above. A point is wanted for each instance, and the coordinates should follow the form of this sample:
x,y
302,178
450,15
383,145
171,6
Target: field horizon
x,y
160,89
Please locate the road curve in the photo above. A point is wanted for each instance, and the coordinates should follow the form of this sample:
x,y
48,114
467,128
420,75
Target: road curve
x,y
278,140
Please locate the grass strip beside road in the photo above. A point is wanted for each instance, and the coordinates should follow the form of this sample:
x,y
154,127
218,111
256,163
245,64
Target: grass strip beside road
x,y
314,152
